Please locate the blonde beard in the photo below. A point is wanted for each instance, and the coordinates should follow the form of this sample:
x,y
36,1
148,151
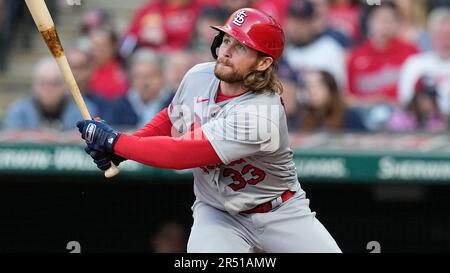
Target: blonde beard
x,y
231,77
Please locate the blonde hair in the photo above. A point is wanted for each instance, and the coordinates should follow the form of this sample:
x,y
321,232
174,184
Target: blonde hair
x,y
267,80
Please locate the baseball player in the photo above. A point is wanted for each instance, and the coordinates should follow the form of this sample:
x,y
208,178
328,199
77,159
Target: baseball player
x,y
227,122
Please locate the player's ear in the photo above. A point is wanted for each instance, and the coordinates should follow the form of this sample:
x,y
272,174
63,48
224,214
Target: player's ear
x,y
264,62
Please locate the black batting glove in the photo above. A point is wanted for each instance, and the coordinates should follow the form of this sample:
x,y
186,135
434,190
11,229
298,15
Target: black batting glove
x,y
103,159
98,135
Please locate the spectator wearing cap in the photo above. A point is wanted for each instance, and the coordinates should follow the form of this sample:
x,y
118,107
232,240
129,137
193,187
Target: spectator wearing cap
x,y
307,49
374,67
435,63
422,113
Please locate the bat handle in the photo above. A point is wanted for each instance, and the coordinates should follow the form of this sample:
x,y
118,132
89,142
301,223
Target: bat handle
x,y
112,171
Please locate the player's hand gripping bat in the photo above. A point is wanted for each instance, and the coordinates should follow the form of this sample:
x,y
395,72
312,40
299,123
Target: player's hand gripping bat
x,y
45,25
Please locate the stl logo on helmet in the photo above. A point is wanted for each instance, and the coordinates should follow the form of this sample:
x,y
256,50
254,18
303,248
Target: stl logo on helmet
x,y
240,18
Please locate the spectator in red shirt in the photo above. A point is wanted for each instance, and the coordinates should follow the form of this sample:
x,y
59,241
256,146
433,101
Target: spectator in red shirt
x,y
374,67
108,80
161,25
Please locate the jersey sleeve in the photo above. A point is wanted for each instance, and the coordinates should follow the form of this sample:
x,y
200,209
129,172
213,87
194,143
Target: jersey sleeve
x,y
168,152
242,133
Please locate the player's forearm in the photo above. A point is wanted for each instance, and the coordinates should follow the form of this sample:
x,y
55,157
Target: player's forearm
x,y
160,125
167,152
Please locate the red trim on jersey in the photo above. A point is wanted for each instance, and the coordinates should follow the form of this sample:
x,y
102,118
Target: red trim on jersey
x,y
160,125
221,97
168,152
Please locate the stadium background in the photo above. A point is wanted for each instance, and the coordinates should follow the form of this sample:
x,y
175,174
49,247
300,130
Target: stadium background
x,y
42,208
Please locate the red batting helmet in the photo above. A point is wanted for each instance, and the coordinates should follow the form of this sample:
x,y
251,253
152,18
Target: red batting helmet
x,y
254,29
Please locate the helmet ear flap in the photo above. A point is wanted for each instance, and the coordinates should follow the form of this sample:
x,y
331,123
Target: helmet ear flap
x,y
216,44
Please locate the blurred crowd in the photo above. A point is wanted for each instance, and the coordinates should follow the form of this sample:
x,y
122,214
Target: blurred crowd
x,y
347,65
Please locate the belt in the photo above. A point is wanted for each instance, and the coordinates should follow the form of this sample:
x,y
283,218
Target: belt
x,y
268,206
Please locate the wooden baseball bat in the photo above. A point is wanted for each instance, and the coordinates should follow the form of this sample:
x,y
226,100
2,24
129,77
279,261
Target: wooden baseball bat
x,y
45,25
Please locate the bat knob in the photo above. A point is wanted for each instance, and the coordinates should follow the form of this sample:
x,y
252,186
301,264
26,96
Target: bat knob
x,y
112,171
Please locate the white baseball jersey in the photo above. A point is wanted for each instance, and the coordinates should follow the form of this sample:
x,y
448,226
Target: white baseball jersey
x,y
248,132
